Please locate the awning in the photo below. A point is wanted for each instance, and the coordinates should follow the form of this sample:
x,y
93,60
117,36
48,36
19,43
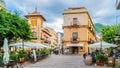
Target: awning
x,y
74,45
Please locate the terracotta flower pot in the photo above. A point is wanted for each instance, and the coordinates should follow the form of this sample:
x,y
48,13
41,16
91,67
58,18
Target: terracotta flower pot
x,y
100,63
21,60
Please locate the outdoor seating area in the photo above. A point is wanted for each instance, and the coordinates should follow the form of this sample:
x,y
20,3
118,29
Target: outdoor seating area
x,y
103,57
22,56
14,55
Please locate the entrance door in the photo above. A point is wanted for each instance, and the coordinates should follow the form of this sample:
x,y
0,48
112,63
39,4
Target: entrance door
x,y
75,50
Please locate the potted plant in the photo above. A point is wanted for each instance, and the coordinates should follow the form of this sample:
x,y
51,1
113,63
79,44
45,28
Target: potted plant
x,y
100,59
13,58
21,56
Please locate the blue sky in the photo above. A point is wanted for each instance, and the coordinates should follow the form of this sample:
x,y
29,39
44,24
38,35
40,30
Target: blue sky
x,y
101,11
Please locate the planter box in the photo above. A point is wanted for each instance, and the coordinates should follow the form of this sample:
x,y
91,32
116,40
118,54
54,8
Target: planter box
x,y
21,60
111,61
100,63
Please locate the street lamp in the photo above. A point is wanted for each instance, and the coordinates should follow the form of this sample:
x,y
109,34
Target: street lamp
x,y
117,18
100,43
117,31
117,39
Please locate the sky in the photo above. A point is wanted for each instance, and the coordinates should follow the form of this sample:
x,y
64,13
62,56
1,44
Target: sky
x,y
101,11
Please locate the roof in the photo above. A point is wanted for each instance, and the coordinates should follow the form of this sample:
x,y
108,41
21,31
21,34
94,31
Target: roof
x,y
77,8
35,13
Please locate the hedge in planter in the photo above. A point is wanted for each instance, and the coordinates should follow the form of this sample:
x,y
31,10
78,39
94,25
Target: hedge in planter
x,y
22,56
100,59
13,58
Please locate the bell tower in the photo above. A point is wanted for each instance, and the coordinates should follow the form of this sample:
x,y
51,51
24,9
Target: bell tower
x,y
36,20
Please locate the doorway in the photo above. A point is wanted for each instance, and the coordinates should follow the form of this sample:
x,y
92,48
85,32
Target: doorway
x,y
75,50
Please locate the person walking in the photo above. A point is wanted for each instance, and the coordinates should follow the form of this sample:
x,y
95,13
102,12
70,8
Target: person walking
x,y
65,51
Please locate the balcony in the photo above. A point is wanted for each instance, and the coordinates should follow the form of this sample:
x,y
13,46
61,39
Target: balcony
x,y
75,40
91,30
118,4
33,27
90,41
34,38
71,24
47,41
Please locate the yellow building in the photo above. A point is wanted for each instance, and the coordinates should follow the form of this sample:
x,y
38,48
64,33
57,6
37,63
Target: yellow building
x,y
78,29
36,21
51,36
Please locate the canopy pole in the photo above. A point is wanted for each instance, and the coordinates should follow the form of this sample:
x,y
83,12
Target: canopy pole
x,y
101,45
23,44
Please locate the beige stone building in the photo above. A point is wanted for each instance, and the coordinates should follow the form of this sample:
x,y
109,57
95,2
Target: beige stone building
x,y
79,30
36,20
49,37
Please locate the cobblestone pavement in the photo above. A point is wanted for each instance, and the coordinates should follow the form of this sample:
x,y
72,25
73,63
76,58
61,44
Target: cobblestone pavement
x,y
61,61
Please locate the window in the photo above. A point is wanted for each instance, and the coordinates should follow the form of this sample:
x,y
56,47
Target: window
x,y
34,35
75,20
75,35
34,22
81,48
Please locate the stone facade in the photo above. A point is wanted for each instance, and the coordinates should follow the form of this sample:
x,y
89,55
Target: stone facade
x,y
78,30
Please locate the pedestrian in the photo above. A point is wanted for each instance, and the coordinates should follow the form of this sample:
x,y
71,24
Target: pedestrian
x,y
84,55
68,51
65,51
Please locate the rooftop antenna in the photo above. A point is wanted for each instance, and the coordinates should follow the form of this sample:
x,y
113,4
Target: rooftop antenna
x,y
36,8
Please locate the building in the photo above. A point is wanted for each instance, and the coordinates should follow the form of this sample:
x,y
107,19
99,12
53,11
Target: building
x,y
118,4
36,20
79,30
45,37
49,37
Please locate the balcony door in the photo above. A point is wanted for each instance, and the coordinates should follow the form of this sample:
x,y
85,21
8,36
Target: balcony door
x,y
75,36
75,20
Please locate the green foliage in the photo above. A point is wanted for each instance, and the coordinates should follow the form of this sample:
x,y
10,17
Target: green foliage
x,y
13,56
109,50
43,51
109,33
12,26
22,54
98,27
100,57
1,55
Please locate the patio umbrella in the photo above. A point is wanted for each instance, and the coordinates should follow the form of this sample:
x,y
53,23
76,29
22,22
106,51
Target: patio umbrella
x,y
6,51
104,45
27,44
41,45
34,54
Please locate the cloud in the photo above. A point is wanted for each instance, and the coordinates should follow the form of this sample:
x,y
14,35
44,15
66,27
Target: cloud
x,y
56,24
101,11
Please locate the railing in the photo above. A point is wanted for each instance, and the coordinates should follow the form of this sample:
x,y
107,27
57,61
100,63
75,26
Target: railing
x,y
71,24
75,39
33,27
34,38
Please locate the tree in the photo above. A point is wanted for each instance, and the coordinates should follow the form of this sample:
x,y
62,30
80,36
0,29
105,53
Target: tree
x,y
12,26
109,33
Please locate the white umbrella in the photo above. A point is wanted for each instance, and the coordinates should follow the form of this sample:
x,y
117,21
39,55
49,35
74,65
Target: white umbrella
x,y
104,45
34,54
44,46
6,51
27,44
